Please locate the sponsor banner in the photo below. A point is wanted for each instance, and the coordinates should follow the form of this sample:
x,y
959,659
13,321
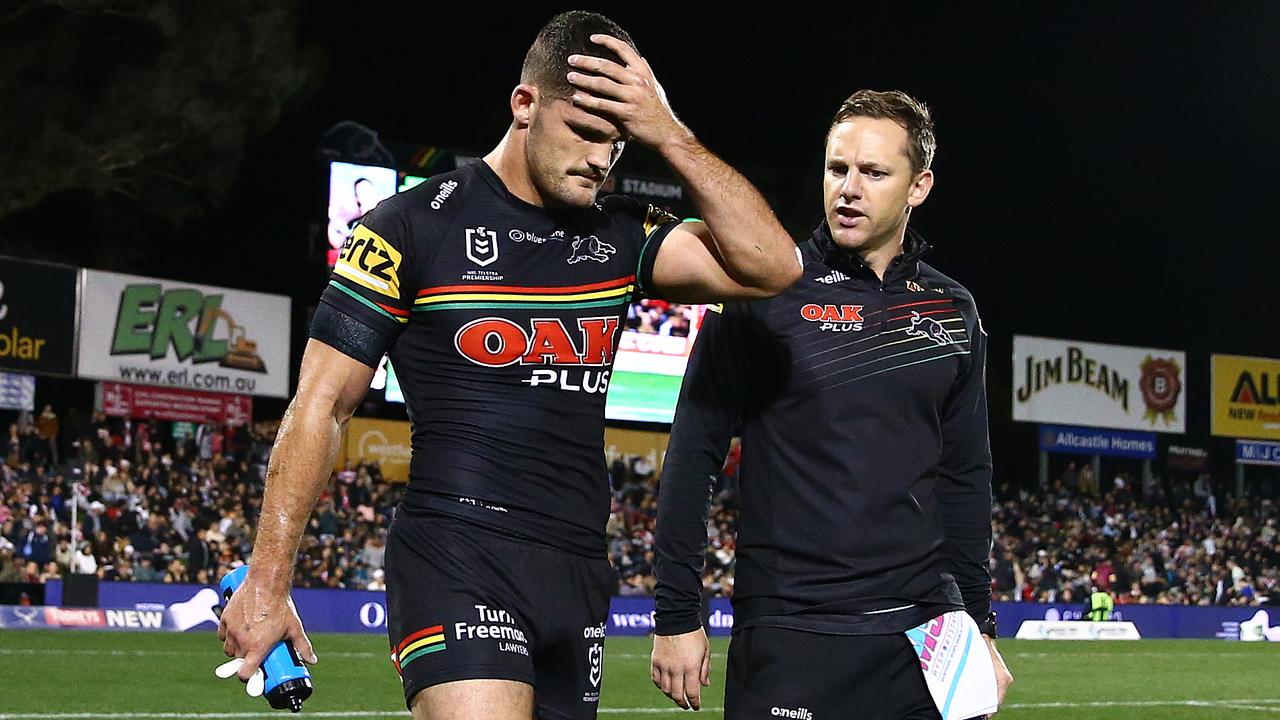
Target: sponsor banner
x,y
389,442
140,606
1253,452
147,331
17,391
620,443
140,401
187,607
1088,441
635,616
1151,621
1098,385
57,618
1245,397
1187,458
37,317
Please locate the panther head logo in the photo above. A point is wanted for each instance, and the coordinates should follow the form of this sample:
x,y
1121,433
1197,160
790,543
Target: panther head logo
x,y
590,248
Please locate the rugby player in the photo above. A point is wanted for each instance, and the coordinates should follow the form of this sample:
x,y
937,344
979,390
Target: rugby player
x,y
498,290
865,473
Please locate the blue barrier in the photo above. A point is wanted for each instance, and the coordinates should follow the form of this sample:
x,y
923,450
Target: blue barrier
x,y
189,607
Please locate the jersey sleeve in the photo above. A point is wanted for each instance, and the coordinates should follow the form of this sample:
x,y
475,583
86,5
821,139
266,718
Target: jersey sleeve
x,y
708,412
370,293
965,471
652,225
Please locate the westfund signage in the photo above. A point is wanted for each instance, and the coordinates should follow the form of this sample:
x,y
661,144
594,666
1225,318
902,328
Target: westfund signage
x,y
37,317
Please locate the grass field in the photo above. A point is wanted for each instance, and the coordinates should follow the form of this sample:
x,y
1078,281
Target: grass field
x,y
647,397
48,675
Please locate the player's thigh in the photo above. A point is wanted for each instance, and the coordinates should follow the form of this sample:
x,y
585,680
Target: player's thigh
x,y
452,613
569,662
474,700
777,672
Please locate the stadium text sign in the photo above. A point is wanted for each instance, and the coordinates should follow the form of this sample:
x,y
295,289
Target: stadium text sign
x,y
37,317
1245,397
1251,452
1110,386
159,332
1088,441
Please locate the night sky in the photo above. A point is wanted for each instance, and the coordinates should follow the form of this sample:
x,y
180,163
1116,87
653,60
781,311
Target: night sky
x,y
1102,174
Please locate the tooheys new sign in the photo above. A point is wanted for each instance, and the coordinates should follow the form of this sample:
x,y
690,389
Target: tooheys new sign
x,y
162,332
1246,397
37,317
1097,385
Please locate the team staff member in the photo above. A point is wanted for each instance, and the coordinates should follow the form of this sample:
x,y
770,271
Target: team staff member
x,y
866,470
499,290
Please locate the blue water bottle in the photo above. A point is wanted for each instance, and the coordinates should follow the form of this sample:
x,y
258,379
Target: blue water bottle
x,y
287,682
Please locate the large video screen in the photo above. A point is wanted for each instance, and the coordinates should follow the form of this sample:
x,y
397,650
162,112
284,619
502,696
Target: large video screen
x,y
652,354
353,191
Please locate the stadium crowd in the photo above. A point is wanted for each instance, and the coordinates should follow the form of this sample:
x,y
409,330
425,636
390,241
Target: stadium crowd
x,y
158,506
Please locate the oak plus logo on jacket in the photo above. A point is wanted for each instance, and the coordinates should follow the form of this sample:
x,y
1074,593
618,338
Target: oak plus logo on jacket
x,y
834,318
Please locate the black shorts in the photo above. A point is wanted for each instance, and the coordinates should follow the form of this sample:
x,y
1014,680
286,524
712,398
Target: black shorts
x,y
784,673
465,602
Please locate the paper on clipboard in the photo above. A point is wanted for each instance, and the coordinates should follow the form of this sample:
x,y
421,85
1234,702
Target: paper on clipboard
x,y
957,666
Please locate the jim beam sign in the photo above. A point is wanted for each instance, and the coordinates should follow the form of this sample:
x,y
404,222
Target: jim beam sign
x,y
1098,385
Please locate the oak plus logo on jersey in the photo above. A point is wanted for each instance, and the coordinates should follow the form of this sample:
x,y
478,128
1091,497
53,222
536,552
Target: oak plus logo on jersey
x,y
834,318
927,327
590,248
482,246
498,342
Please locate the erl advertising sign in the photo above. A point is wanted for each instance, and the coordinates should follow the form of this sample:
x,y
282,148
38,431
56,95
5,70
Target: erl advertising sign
x,y
148,331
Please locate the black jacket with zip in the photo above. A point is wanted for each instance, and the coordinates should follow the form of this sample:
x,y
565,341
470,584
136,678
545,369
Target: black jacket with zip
x,y
866,466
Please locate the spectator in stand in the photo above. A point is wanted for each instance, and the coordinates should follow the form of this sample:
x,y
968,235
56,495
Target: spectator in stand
x,y
47,430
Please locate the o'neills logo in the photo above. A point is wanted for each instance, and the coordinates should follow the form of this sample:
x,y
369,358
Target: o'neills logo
x,y
1160,388
795,713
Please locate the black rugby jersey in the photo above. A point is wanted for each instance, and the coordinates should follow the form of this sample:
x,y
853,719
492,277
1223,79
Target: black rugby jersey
x,y
502,320
865,474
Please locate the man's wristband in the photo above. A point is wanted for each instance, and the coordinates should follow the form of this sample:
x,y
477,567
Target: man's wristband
x,y
987,625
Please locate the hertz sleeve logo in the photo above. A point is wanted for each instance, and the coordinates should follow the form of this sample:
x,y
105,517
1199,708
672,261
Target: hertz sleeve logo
x,y
370,261
655,218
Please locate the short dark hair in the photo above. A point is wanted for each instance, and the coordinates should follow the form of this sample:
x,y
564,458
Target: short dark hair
x,y
910,113
569,33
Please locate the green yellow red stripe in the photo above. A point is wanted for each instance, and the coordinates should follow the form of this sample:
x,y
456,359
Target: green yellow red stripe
x,y
423,642
393,313
528,290
529,298
513,297
611,302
